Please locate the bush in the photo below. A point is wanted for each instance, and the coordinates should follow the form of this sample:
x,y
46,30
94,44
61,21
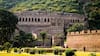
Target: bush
x,y
40,51
69,52
57,52
32,51
15,50
93,54
27,50
6,46
1,47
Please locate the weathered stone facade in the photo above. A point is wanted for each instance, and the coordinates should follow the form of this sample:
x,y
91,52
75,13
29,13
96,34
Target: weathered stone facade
x,y
53,23
50,22
88,40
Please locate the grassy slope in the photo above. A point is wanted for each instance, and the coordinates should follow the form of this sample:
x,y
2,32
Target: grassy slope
x,y
49,5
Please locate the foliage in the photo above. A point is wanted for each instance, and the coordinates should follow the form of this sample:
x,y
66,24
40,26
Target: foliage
x,y
49,5
8,23
24,39
43,35
41,51
94,24
8,4
27,50
6,45
69,52
32,52
93,12
15,50
57,52
93,54
75,27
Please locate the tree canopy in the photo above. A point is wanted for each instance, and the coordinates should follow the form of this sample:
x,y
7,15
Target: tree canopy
x,y
93,14
8,23
75,27
23,39
48,5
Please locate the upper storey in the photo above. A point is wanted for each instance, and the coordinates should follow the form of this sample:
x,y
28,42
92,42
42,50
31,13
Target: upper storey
x,y
47,18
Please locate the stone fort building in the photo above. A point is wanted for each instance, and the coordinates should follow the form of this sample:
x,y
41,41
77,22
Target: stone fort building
x,y
88,40
51,22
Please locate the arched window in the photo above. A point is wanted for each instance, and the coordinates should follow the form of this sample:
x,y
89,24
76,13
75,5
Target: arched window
x,y
26,20
45,20
73,21
35,20
32,20
23,19
29,19
19,20
48,20
38,19
78,20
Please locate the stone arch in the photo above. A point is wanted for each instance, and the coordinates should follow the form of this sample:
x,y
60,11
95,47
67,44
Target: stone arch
x,y
35,19
19,19
32,19
26,20
78,20
23,20
29,19
73,20
45,20
38,19
48,20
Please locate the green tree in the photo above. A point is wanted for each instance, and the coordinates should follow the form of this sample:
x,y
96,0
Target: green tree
x,y
93,13
93,10
75,27
8,23
6,46
23,39
43,35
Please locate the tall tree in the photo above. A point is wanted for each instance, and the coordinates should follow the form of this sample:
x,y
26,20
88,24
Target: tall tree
x,y
93,13
8,23
43,35
23,39
75,27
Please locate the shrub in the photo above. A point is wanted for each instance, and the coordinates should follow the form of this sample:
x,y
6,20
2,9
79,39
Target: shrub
x,y
32,51
57,52
93,54
6,46
41,51
15,50
9,50
27,50
1,47
69,52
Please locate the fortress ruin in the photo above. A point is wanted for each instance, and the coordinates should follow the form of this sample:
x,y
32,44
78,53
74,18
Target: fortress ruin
x,y
89,40
51,22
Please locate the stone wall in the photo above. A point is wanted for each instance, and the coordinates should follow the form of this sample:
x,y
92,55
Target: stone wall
x,y
51,22
88,40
